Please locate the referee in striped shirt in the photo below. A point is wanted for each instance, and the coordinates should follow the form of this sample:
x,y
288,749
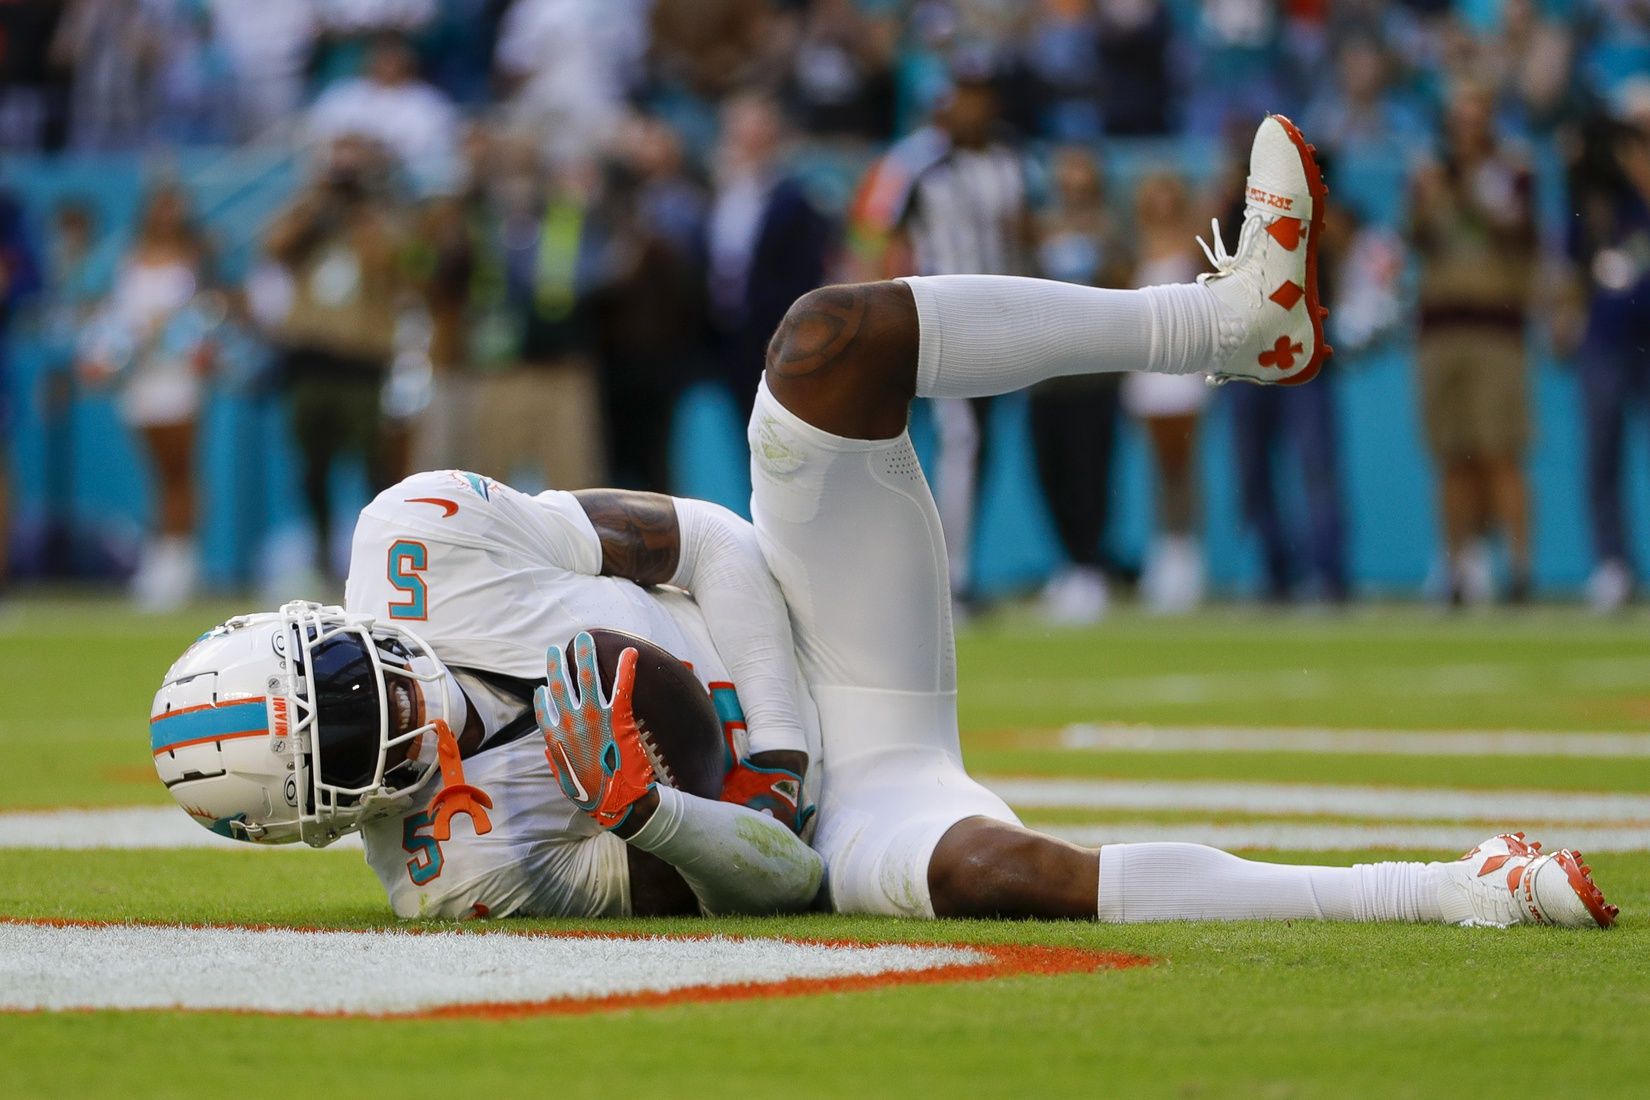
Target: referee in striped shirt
x,y
961,209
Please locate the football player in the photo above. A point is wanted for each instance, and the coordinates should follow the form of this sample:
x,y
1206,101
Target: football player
x,y
413,707
849,528
844,522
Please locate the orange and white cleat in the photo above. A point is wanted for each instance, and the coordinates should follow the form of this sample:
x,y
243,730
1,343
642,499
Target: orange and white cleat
x,y
1271,324
1507,880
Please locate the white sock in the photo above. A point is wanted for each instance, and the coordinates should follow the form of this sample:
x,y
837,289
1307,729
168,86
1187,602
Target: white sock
x,y
1144,882
989,334
734,859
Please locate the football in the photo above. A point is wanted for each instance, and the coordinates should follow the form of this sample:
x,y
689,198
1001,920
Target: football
x,y
678,723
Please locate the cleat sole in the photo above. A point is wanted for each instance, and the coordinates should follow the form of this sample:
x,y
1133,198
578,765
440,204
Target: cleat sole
x,y
1581,880
1315,310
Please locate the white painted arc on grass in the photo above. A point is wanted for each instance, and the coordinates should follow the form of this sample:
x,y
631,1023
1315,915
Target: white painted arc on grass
x,y
1447,841
1293,799
1372,742
278,970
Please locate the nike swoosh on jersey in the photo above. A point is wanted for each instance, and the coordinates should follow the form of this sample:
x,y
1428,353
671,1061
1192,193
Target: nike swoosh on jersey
x,y
579,793
448,507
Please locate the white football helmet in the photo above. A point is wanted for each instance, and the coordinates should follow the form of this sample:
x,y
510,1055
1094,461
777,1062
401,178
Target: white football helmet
x,y
300,724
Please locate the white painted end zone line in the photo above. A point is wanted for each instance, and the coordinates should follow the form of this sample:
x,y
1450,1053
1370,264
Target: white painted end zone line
x,y
1447,841
1130,738
1286,799
277,970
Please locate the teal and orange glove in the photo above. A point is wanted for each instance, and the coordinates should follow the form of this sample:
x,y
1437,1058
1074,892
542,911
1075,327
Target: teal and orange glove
x,y
593,745
776,792
766,787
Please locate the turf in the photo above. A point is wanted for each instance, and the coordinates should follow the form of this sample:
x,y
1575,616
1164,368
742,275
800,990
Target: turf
x,y
1239,1009
1227,1010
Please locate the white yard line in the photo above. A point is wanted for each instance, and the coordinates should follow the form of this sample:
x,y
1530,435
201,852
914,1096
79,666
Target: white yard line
x,y
126,827
1446,841
1143,738
271,970
1614,816
1474,678
1293,799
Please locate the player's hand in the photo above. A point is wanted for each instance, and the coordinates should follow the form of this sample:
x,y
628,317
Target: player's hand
x,y
767,788
593,746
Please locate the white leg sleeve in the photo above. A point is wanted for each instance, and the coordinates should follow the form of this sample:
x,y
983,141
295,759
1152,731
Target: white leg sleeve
x,y
957,478
990,334
734,859
1147,882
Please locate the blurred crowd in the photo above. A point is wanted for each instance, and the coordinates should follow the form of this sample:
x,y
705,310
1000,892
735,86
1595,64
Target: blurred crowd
x,y
526,227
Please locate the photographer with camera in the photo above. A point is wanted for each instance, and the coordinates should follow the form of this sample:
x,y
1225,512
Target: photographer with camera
x,y
341,243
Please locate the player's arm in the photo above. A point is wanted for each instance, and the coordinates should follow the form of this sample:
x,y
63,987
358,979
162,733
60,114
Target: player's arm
x,y
705,549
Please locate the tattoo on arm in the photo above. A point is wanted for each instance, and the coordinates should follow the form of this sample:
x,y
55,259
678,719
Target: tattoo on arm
x,y
640,539
817,330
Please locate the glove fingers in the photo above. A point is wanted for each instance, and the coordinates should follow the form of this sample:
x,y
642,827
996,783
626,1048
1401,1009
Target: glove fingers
x,y
555,678
584,662
624,682
544,711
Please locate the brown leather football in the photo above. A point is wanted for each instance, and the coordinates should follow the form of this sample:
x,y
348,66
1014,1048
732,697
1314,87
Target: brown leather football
x,y
678,722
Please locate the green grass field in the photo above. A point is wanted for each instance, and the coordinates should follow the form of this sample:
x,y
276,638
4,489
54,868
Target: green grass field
x,y
1227,1010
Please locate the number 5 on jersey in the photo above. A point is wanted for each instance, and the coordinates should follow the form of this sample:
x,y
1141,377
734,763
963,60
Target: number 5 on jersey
x,y
407,562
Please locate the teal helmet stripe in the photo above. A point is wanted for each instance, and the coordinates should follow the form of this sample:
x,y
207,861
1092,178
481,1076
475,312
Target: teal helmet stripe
x,y
209,723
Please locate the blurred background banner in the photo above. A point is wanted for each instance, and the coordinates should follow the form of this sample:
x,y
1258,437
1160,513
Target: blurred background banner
x,y
259,260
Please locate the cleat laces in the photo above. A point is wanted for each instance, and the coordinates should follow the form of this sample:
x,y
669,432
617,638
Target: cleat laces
x,y
1229,264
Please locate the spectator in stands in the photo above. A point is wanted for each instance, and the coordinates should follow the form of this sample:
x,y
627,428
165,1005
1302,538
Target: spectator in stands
x,y
150,345
77,266
567,67
1532,62
112,49
1610,248
1169,406
650,312
1240,70
415,123
1473,230
1137,91
1061,56
458,47
194,86
33,90
268,46
711,48
767,243
342,242
538,407
1357,114
1074,420
963,209
1297,424
841,82
347,30
76,275
454,258
19,279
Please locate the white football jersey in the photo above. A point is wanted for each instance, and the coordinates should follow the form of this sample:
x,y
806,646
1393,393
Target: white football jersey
x,y
490,577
